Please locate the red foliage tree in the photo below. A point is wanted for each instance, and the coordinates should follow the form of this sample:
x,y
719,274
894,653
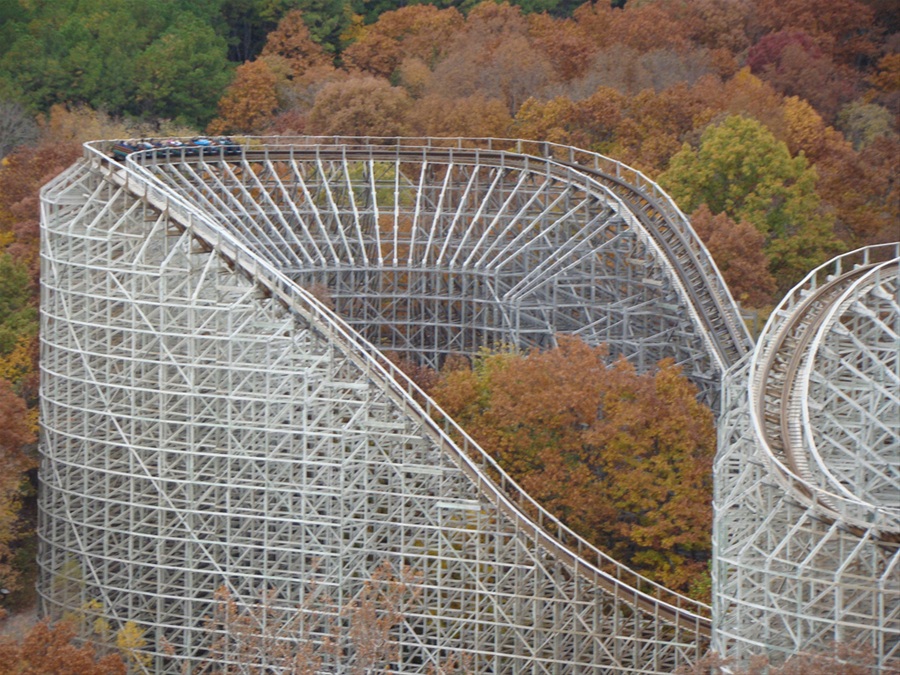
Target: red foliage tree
x,y
794,65
23,173
14,434
844,30
737,249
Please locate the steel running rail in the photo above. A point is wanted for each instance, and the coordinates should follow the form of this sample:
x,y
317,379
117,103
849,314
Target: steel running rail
x,y
622,583
779,375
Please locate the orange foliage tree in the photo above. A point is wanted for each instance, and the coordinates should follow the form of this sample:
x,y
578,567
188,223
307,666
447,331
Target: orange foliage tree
x,y
48,650
845,30
415,31
622,458
493,55
250,102
568,48
472,116
645,27
360,106
292,42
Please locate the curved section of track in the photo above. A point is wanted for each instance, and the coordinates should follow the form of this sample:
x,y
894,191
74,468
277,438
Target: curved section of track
x,y
493,236
784,361
172,252
808,477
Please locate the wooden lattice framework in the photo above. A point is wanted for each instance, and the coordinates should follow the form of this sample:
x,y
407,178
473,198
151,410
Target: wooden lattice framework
x,y
209,422
807,526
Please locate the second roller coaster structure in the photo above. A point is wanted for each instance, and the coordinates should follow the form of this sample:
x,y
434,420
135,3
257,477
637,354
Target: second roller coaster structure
x,y
218,412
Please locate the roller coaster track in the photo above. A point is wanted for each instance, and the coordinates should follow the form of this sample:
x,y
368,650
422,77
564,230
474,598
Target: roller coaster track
x,y
560,542
634,199
781,397
808,472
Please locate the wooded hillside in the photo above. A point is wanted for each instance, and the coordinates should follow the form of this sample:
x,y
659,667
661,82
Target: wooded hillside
x,y
773,123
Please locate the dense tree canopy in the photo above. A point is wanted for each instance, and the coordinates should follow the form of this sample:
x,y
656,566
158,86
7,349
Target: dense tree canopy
x,y
49,650
623,458
119,55
774,124
742,170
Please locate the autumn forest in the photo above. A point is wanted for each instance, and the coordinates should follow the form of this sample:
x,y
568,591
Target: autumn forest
x,y
773,124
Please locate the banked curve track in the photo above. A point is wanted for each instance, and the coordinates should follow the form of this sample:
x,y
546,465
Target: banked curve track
x,y
807,531
252,439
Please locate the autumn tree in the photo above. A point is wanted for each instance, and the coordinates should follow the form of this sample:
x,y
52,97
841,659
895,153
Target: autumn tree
x,y
862,123
837,659
303,639
885,82
15,432
843,30
415,31
737,249
795,66
249,104
18,315
631,72
292,42
742,170
360,106
747,95
862,189
493,56
717,25
472,116
856,187
568,49
643,28
49,650
654,126
17,126
622,458
21,177
549,120
589,123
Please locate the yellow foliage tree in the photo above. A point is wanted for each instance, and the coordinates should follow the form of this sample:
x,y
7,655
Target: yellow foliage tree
x,y
130,640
